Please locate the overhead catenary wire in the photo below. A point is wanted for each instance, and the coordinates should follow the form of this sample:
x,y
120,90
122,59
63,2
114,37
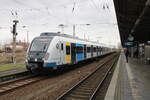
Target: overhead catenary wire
x,y
51,12
74,5
96,7
101,9
52,15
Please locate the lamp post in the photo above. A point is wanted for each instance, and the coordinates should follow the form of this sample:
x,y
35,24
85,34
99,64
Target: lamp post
x,y
74,28
62,28
131,39
99,38
27,37
27,33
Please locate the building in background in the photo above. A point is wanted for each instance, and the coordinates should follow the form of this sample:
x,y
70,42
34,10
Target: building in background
x,y
20,46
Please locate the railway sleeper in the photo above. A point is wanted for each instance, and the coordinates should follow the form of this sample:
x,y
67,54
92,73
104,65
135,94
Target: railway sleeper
x,y
89,85
1,90
79,96
86,85
70,98
82,93
84,90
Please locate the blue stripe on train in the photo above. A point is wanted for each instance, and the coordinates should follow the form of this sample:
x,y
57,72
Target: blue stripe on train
x,y
52,64
79,45
79,56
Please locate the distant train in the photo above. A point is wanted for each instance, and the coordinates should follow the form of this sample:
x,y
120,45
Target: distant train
x,y
52,50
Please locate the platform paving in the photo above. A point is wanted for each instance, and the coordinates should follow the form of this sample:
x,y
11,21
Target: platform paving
x,y
131,81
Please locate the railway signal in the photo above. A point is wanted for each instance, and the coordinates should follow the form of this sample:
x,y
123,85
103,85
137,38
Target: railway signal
x,y
14,32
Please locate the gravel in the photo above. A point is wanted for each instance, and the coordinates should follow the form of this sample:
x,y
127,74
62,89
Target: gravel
x,y
52,87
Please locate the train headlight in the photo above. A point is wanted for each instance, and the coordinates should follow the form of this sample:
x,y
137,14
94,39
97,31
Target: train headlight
x,y
46,56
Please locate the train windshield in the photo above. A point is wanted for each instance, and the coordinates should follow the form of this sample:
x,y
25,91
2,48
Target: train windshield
x,y
40,44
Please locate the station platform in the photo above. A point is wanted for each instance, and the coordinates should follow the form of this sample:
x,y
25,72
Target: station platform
x,y
12,71
130,81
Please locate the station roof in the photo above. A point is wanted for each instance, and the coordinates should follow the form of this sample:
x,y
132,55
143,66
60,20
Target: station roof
x,y
133,18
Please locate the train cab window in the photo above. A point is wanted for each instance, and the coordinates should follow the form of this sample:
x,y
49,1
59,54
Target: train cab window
x,y
68,50
40,44
62,46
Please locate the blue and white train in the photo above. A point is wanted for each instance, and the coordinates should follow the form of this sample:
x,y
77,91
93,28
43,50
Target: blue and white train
x,y
52,50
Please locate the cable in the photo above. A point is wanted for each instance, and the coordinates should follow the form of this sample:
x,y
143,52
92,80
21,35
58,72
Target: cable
x,y
74,4
95,6
49,13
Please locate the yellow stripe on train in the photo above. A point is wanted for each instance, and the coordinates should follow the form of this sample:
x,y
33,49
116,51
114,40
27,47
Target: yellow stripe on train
x,y
68,58
67,44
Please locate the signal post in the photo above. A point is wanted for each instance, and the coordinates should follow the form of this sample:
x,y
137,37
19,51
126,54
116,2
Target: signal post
x,y
14,40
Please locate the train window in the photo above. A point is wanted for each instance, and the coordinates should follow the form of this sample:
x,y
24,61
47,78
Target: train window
x,y
68,50
84,48
91,48
94,49
79,49
97,48
62,46
88,49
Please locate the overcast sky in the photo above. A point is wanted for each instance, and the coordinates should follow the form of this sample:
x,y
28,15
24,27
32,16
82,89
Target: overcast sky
x,y
45,16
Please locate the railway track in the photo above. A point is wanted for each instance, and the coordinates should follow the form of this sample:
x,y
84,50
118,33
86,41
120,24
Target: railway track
x,y
87,88
7,87
10,86
13,76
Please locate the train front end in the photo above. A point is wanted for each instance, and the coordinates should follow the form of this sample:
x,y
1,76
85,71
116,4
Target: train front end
x,y
37,53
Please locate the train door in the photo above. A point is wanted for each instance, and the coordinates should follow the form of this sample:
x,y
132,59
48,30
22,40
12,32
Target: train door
x,y
62,54
73,52
101,50
85,52
91,50
97,50
68,52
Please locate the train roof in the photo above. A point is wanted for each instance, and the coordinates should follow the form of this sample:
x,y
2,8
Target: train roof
x,y
58,34
69,36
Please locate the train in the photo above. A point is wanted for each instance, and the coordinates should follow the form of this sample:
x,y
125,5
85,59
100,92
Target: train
x,y
54,50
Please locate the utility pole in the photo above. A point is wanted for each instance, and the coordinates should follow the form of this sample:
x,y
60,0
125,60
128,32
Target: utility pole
x,y
99,39
62,28
27,36
14,40
84,37
74,30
